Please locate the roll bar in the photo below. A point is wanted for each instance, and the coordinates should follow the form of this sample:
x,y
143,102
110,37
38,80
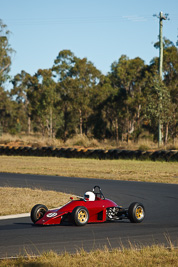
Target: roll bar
x,y
97,191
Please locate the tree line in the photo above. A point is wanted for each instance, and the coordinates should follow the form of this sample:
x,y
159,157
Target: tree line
x,y
74,97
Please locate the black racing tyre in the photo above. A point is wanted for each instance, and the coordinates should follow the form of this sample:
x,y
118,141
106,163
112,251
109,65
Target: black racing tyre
x,y
80,216
136,212
38,212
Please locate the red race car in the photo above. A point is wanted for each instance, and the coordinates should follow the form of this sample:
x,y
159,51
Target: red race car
x,y
91,208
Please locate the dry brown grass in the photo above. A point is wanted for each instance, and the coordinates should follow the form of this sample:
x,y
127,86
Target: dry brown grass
x,y
28,140
21,200
146,256
81,141
130,170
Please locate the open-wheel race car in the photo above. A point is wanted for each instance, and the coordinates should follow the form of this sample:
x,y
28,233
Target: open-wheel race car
x,y
93,207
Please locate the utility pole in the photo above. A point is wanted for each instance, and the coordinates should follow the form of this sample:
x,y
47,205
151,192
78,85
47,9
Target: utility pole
x,y
161,18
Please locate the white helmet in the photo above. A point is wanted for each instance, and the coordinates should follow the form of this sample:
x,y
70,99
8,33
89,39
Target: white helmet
x,y
89,196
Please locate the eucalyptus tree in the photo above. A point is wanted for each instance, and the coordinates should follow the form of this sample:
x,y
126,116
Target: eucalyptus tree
x,y
62,73
77,80
126,77
170,80
5,111
6,53
170,66
86,79
157,103
21,85
42,98
99,120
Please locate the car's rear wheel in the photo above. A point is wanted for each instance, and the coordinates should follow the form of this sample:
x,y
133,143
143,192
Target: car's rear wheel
x,y
80,216
136,212
37,212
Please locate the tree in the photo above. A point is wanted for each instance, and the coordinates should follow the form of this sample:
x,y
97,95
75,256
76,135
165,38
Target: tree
x,y
21,86
86,78
46,98
63,64
98,120
5,53
158,101
62,72
170,79
41,96
126,76
5,61
4,112
77,80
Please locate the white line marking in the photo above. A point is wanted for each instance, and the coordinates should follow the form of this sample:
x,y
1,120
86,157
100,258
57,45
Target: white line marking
x,y
15,216
23,215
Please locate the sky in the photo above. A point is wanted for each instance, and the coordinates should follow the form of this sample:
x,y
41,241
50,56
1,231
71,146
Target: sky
x,y
100,30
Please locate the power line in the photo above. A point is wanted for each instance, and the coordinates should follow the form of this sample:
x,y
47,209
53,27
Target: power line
x,y
80,20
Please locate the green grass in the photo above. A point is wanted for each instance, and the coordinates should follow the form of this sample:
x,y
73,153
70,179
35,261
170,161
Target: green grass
x,y
129,170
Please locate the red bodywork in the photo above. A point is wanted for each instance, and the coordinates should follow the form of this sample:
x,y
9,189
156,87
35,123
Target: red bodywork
x,y
96,209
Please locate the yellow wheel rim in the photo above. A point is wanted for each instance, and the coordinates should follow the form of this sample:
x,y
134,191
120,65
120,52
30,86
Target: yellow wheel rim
x,y
82,216
139,213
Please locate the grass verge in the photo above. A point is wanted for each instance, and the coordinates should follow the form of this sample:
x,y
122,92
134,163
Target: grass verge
x,y
21,200
146,256
129,170
36,140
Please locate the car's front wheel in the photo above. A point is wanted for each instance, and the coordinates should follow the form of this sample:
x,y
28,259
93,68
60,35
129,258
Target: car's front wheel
x,y
136,212
37,212
80,216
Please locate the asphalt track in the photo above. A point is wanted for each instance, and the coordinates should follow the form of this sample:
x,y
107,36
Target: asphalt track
x,y
20,236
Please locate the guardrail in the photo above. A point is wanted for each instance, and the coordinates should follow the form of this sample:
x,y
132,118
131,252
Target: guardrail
x,y
161,155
